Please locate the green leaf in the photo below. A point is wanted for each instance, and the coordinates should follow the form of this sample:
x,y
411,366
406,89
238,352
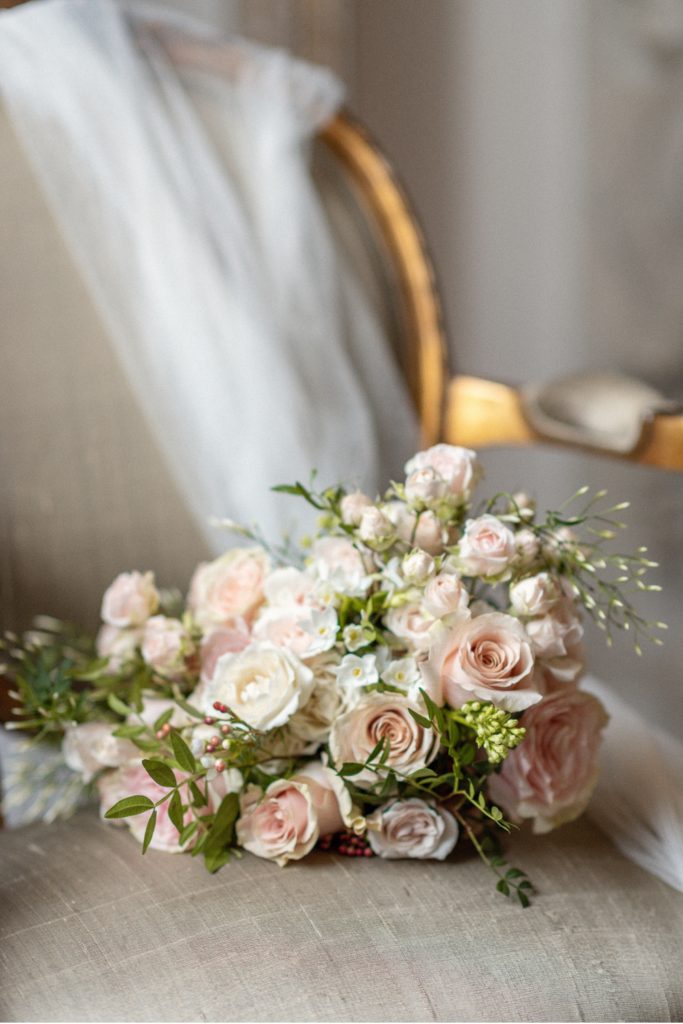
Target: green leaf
x,y
128,732
376,750
350,768
226,815
146,745
128,806
188,708
523,899
175,811
160,772
188,832
182,752
163,718
118,706
420,719
198,798
149,831
213,860
503,887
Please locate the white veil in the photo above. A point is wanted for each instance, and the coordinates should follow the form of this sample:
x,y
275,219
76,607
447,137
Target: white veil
x,y
176,164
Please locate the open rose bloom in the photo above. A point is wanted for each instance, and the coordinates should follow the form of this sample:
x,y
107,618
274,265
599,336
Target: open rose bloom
x,y
407,682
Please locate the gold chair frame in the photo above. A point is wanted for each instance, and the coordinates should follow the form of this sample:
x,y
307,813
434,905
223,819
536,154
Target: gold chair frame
x,y
458,409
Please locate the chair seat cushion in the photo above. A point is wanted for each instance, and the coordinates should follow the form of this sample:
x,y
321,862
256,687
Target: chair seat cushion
x,y
91,930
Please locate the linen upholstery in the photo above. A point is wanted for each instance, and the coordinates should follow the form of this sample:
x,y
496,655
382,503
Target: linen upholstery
x,y
92,930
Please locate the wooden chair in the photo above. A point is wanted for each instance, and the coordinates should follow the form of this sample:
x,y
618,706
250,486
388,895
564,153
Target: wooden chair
x,y
91,930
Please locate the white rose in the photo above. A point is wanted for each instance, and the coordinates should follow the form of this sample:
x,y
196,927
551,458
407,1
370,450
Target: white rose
x,y
425,485
118,645
130,600
375,527
418,566
352,507
312,723
289,588
386,716
486,548
263,684
456,466
336,561
90,747
412,829
528,546
535,595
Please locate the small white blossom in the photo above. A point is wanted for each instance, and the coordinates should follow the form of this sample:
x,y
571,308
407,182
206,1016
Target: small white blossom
x,y
354,637
402,673
322,626
355,672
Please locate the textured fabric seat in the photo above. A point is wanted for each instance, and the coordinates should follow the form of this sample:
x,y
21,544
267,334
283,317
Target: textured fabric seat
x,y
91,930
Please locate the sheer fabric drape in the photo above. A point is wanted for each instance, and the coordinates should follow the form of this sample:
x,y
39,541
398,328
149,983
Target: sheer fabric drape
x,y
176,164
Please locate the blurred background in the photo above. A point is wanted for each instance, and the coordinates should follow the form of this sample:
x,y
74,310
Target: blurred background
x,y
542,146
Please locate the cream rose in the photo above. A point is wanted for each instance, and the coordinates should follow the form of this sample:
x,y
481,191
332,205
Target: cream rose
x,y
417,566
118,645
556,639
130,600
446,595
412,829
535,595
90,747
331,800
550,776
485,658
456,466
263,684
375,527
486,548
289,589
231,587
166,645
386,716
280,825
352,507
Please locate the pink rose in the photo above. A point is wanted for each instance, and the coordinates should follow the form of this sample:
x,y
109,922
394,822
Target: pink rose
x,y
377,716
130,600
556,640
352,507
90,747
118,645
528,547
375,528
133,781
446,595
412,829
486,658
411,623
331,800
231,587
550,776
280,825
457,467
166,645
486,548
221,640
424,531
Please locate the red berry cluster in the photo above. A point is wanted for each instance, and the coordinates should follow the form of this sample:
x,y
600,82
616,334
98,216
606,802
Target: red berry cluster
x,y
345,843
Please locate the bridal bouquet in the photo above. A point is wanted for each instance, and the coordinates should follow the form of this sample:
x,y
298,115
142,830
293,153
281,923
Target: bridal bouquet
x,y
406,680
